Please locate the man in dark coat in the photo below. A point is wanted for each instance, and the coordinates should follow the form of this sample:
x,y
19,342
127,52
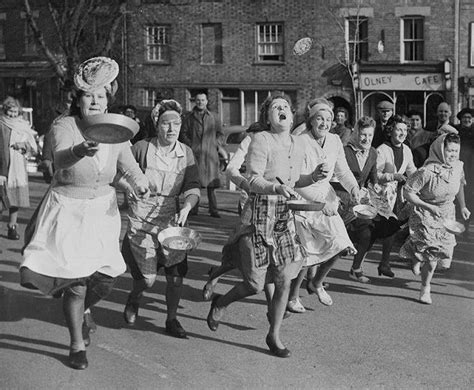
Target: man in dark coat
x,y
384,113
201,131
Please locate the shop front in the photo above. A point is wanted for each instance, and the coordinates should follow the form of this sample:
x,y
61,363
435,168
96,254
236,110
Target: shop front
x,y
409,88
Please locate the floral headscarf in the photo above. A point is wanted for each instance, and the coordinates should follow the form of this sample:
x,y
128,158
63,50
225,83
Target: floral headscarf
x,y
436,160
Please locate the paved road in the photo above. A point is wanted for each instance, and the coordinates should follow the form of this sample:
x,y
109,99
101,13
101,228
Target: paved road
x,y
375,336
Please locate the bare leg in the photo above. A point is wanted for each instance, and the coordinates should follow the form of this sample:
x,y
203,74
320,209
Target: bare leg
x,y
278,307
322,272
296,285
13,217
427,271
73,308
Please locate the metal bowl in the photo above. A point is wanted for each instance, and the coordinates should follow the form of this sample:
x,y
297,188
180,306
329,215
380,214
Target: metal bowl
x,y
109,128
179,238
305,205
453,226
364,211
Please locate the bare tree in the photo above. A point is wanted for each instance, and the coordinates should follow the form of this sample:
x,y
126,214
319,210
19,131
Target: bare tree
x,y
82,28
350,56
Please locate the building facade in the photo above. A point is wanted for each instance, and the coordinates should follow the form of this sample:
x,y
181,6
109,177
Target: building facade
x,y
407,51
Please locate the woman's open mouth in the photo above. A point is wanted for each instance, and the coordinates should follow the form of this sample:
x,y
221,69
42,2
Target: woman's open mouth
x,y
282,117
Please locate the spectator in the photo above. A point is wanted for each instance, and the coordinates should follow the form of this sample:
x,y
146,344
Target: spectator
x,y
342,127
443,113
16,140
466,132
417,136
384,113
201,131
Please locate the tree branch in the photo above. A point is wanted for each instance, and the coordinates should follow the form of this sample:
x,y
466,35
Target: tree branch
x,y
40,40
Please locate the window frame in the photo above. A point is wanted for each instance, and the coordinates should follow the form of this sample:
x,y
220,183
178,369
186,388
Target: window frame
x,y
280,42
415,52
147,95
3,53
166,57
359,41
218,47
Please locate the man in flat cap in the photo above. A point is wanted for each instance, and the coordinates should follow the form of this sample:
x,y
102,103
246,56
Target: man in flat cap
x,y
384,113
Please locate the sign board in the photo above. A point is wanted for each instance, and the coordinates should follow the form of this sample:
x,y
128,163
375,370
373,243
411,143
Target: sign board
x,y
402,82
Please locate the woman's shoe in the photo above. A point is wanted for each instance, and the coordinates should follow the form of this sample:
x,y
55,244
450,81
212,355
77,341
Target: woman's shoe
x,y
385,270
280,352
174,328
416,268
295,306
310,291
130,314
425,295
13,233
208,288
78,360
212,323
359,276
323,296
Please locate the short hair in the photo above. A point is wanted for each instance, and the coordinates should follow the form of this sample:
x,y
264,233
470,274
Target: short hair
x,y
11,102
451,138
393,121
342,109
414,112
364,122
263,118
130,107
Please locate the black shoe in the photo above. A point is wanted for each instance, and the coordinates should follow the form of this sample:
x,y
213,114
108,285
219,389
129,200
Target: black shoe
x,y
86,334
78,360
175,329
211,322
130,313
385,270
280,352
214,214
12,233
89,321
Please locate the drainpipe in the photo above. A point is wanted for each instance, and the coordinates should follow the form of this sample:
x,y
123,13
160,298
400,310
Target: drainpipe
x,y
456,58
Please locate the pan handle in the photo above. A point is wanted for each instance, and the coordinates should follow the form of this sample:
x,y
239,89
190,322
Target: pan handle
x,y
294,194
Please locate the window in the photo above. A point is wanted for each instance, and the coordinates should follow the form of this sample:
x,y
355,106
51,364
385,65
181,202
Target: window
x,y
412,39
148,97
30,42
158,44
242,107
357,38
270,42
211,43
2,36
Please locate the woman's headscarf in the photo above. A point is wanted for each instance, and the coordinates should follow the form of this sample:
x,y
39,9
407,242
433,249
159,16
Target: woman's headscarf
x,y
436,159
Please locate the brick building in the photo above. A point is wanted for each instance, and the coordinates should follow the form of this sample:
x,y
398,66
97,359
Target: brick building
x,y
414,52
237,51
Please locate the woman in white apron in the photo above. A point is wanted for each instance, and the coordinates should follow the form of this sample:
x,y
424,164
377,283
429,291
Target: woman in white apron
x,y
322,233
73,249
171,170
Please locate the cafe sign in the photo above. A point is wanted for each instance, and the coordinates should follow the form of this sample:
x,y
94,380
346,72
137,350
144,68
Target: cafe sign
x,y
402,82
